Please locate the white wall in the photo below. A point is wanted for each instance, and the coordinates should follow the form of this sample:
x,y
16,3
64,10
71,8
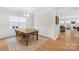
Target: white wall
x,y
4,22
30,21
45,23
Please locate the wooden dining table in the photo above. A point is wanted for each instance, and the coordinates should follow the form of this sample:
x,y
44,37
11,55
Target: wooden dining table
x,y
28,33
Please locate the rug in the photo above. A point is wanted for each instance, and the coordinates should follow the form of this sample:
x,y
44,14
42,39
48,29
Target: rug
x,y
16,45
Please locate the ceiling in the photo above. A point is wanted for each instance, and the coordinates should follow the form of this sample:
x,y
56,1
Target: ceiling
x,y
37,9
28,9
63,11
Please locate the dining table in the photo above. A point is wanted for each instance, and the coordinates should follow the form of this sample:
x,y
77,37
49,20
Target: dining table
x,y
28,32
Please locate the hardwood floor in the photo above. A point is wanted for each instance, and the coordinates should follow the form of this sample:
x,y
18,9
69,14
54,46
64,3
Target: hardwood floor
x,y
3,45
68,41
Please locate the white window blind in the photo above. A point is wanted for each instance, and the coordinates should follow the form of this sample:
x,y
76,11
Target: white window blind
x,y
17,21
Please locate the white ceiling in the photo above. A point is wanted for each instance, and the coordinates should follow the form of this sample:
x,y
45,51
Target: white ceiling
x,y
28,9
37,9
69,11
63,11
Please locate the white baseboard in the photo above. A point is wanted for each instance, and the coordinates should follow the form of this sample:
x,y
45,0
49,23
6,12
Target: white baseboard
x,y
3,37
53,38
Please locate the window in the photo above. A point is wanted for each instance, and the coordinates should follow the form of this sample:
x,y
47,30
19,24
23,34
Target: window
x,y
15,21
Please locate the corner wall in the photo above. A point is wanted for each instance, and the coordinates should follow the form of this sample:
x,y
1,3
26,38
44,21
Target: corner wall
x,y
4,22
45,23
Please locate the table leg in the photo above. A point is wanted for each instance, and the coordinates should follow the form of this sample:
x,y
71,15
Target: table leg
x,y
26,40
37,35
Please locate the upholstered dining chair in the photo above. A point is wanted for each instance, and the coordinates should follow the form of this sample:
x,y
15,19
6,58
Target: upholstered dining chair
x,y
33,36
16,32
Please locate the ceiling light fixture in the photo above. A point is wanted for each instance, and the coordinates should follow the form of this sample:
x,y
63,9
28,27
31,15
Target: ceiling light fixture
x,y
27,15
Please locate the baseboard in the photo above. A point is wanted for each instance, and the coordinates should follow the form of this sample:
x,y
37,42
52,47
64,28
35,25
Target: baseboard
x,y
7,37
46,37
50,37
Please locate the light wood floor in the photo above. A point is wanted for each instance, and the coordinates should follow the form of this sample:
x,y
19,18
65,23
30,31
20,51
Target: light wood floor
x,y
3,45
68,41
